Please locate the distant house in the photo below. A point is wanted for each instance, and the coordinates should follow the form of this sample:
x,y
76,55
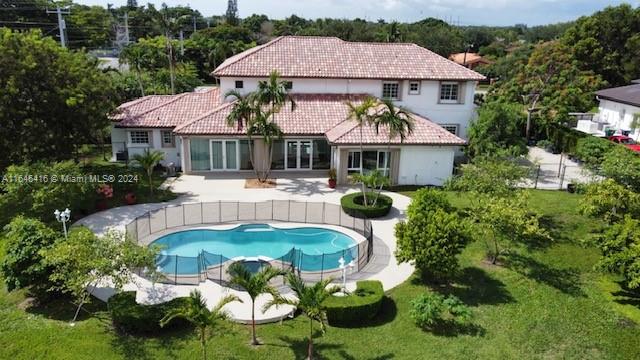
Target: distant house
x,y
616,112
469,60
323,74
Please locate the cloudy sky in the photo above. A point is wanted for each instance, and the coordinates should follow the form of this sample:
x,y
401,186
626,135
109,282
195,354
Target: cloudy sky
x,y
466,12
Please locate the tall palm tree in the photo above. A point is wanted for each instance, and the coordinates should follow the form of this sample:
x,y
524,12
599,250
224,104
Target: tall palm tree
x,y
196,312
254,284
148,160
137,58
363,114
274,94
241,116
269,131
398,122
309,301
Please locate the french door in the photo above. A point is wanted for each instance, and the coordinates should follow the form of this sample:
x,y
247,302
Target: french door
x,y
224,155
298,154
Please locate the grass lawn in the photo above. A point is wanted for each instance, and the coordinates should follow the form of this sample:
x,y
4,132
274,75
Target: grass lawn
x,y
549,303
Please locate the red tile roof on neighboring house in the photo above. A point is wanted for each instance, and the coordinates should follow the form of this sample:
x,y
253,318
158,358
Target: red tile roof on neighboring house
x,y
320,114
166,111
330,57
468,58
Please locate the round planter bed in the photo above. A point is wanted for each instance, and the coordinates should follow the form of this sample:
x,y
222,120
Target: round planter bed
x,y
353,204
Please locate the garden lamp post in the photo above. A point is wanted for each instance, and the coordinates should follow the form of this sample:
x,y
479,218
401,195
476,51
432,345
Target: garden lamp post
x,y
63,217
344,268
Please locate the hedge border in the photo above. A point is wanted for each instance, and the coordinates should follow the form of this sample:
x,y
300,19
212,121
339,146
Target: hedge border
x,y
381,209
353,309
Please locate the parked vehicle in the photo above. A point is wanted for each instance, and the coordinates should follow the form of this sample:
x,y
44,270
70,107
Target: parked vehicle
x,y
626,141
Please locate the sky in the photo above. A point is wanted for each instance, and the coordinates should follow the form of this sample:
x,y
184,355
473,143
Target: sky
x,y
464,12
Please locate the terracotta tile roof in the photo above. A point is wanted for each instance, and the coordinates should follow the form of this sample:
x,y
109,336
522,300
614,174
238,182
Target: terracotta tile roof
x,y
471,58
320,114
330,57
166,111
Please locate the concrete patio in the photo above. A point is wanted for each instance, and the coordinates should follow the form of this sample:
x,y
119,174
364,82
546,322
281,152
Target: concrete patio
x,y
202,188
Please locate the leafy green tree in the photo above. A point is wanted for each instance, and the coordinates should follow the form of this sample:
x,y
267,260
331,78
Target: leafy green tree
x,y
623,166
148,160
610,201
592,150
254,284
498,130
362,114
22,265
620,246
49,90
432,310
89,26
84,260
196,312
309,300
491,176
432,236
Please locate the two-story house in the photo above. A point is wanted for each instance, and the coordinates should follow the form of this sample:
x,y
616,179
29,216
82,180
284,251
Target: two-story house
x,y
323,74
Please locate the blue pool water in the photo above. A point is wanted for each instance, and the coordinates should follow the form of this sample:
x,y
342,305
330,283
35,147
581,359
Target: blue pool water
x,y
308,248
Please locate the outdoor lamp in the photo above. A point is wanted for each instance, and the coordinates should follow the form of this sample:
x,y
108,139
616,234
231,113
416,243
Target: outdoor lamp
x,y
63,217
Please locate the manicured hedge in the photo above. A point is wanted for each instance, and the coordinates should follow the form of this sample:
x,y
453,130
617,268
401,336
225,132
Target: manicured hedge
x,y
352,204
135,318
364,304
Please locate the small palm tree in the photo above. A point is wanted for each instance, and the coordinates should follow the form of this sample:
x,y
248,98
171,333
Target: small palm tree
x,y
196,312
148,160
373,180
309,301
398,122
363,114
255,284
269,131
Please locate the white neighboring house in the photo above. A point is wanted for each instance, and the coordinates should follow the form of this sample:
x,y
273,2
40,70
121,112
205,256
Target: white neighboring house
x,y
616,112
323,73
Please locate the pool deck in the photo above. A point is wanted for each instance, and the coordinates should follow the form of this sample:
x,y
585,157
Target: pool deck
x,y
193,188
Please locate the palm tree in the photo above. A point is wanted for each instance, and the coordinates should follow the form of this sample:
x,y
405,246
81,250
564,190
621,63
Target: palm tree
x,y
273,93
196,312
309,301
148,160
241,116
363,115
269,131
255,284
136,57
398,122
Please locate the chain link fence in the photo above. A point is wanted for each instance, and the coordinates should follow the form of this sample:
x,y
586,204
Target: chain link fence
x,y
311,267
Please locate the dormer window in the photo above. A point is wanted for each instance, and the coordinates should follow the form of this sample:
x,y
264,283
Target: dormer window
x,y
391,90
239,84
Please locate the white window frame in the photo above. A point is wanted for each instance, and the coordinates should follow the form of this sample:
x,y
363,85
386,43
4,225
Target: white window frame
x,y
397,84
135,141
224,154
298,154
417,91
359,168
172,137
456,128
385,171
449,101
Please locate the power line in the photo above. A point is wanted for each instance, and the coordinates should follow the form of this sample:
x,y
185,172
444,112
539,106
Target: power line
x,y
61,23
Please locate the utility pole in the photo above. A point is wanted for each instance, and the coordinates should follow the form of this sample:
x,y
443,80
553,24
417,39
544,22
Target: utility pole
x,y
195,26
126,27
61,24
181,42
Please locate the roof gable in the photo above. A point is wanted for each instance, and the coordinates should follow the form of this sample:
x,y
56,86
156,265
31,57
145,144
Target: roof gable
x,y
330,57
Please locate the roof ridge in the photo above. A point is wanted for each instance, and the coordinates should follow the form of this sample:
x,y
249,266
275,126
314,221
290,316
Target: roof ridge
x,y
446,59
198,118
246,53
176,98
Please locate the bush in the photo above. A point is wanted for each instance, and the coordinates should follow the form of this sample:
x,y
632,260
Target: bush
x,y
23,265
545,144
433,310
623,166
143,319
364,304
592,150
353,204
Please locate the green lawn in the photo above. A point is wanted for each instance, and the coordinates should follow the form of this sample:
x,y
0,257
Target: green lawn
x,y
549,303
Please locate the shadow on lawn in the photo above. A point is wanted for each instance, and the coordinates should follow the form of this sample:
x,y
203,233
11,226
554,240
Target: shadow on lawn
x,y
299,347
626,296
567,280
134,346
475,287
62,308
449,329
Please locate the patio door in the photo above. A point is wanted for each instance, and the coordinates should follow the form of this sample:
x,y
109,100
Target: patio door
x,y
224,155
299,153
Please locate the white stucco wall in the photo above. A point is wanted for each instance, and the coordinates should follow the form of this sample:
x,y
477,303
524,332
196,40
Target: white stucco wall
x,y
120,136
426,103
425,165
618,115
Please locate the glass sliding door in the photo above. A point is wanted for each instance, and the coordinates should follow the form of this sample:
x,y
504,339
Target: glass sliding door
x,y
305,155
224,155
369,161
321,155
277,162
231,155
200,154
292,154
245,158
217,155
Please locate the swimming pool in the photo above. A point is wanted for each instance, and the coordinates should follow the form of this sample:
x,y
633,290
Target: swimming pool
x,y
306,248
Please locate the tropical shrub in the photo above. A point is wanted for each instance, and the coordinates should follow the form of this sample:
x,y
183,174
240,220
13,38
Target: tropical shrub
x,y
498,130
433,310
135,318
623,166
610,201
23,265
592,150
353,205
620,246
363,304
432,236
492,176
